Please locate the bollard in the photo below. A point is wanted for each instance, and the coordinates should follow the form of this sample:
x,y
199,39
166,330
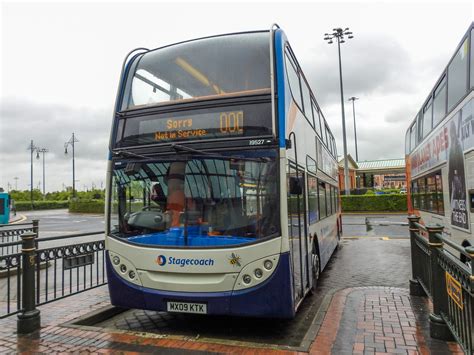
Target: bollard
x,y
35,223
415,286
29,317
438,327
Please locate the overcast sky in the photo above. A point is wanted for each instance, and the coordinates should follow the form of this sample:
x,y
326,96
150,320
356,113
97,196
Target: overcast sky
x,y
60,66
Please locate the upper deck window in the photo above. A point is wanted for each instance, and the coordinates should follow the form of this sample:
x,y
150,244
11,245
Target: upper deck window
x,y
413,136
317,119
307,102
457,75
439,105
236,64
427,118
294,80
407,141
472,59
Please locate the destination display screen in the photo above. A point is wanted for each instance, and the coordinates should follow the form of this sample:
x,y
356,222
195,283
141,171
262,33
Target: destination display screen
x,y
234,121
197,125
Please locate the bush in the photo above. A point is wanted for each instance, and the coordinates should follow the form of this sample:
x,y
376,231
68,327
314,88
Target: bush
x,y
40,205
374,203
87,206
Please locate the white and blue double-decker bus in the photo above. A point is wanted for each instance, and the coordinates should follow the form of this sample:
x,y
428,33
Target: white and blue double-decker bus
x,y
222,179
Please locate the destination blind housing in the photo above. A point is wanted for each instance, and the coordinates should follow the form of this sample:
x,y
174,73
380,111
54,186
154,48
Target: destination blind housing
x,y
221,122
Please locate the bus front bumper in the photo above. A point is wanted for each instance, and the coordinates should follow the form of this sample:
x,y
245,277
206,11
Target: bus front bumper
x,y
271,299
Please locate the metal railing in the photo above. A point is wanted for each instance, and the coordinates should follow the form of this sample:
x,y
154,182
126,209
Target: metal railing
x,y
448,281
52,272
11,233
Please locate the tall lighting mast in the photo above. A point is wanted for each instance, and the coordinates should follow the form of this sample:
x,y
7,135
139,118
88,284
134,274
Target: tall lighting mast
x,y
338,34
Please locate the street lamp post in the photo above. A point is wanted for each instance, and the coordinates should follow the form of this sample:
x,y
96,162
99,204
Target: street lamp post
x,y
42,150
339,34
353,98
16,182
32,148
71,142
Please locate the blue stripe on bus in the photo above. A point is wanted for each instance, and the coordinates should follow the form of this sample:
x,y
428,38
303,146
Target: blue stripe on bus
x,y
175,237
283,97
272,298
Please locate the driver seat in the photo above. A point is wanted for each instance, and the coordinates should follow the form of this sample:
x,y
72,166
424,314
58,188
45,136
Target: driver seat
x,y
158,196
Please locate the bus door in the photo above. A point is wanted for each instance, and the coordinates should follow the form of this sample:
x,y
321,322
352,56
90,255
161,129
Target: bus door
x,y
297,230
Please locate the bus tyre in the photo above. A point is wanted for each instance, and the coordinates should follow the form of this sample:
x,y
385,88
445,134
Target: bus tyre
x,y
315,264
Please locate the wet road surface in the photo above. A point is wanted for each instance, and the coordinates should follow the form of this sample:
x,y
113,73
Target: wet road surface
x,y
378,257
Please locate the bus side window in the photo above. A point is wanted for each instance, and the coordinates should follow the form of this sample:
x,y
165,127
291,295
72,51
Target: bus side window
x,y
322,199
313,211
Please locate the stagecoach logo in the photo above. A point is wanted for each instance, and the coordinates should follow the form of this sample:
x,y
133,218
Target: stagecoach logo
x,y
161,260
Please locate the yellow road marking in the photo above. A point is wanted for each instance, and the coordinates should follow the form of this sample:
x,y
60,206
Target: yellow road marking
x,y
374,237
23,217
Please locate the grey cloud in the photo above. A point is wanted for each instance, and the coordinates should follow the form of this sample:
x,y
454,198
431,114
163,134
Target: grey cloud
x,y
376,139
369,65
400,114
50,126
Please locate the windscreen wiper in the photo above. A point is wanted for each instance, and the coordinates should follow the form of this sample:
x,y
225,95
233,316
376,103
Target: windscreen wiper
x,y
179,147
123,153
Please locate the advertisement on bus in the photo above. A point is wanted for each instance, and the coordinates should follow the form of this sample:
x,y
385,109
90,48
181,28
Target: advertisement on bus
x,y
448,144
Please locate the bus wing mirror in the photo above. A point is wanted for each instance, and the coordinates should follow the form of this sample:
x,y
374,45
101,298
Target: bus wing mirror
x,y
296,185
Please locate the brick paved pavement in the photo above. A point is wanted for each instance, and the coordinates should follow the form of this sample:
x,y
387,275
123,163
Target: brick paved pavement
x,y
366,320
378,320
356,320
356,263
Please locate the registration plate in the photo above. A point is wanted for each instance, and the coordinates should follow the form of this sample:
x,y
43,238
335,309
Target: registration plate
x,y
187,307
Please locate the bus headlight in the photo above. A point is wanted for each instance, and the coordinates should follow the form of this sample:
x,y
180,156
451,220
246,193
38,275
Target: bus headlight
x,y
256,272
125,269
247,279
268,264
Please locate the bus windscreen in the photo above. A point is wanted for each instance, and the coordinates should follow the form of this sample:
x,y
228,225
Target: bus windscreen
x,y
196,201
237,64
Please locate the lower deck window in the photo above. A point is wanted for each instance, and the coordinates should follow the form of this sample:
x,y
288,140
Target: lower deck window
x,y
427,193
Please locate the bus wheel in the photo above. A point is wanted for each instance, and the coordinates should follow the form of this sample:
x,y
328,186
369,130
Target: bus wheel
x,y
315,264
